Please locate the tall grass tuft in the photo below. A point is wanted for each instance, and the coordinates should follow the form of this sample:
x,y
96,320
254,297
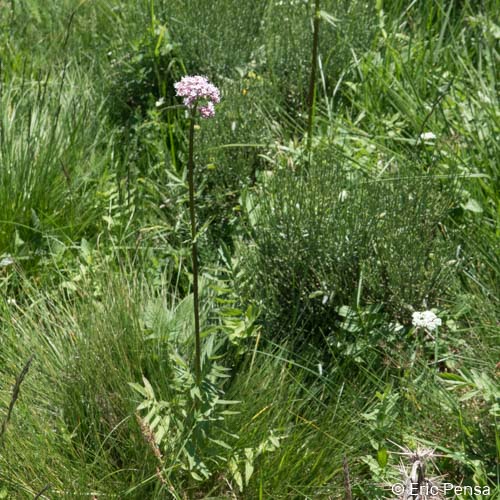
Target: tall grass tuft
x,y
53,156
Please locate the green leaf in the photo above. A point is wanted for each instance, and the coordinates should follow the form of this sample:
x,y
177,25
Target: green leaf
x,y
346,311
248,471
238,478
232,312
150,415
86,251
220,443
138,388
148,388
473,206
328,18
154,423
18,242
274,441
195,393
144,405
196,476
382,457
227,402
160,434
249,468
452,376
108,220
69,285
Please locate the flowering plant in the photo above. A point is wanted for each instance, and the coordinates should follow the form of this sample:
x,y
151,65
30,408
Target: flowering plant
x,y
429,322
426,319
199,94
196,90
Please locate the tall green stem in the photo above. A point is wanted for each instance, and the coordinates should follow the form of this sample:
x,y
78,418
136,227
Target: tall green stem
x,y
436,347
311,97
194,251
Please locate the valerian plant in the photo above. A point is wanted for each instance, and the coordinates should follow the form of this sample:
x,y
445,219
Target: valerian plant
x,y
187,430
199,96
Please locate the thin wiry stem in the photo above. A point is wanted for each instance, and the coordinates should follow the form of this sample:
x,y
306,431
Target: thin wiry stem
x,y
311,97
42,491
15,395
194,251
347,480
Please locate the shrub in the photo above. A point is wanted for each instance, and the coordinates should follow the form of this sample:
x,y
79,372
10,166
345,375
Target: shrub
x,y
346,28
334,237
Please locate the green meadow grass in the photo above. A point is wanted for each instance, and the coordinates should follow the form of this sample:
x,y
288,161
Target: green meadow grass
x,y
314,250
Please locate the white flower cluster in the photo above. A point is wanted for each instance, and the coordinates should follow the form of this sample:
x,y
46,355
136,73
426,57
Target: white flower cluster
x,y
428,136
291,2
426,319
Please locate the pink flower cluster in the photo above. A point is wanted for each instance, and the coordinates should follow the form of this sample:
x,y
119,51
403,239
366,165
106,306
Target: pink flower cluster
x,y
195,89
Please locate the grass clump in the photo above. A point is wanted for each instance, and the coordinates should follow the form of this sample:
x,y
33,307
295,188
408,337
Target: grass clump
x,y
53,155
334,237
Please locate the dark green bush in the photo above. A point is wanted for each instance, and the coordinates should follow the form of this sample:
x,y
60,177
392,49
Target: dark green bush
x,y
334,237
346,29
143,73
215,37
